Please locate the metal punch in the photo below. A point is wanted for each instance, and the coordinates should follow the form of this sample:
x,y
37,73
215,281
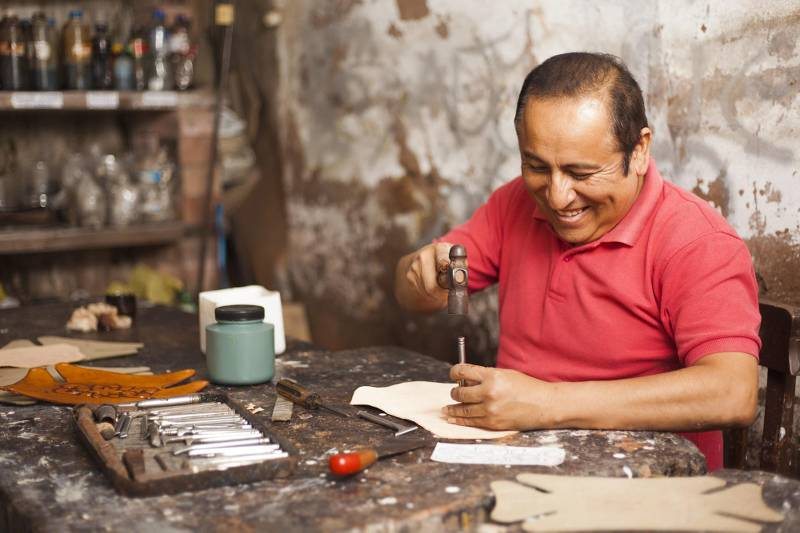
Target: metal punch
x,y
400,429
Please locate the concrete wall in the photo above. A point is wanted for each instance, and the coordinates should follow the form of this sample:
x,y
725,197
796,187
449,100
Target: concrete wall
x,y
397,123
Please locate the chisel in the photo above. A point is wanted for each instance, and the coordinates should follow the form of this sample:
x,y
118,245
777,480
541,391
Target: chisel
x,y
293,391
347,464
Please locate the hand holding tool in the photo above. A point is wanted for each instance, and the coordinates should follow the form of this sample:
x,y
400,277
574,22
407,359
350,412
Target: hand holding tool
x,y
399,429
347,464
454,278
293,391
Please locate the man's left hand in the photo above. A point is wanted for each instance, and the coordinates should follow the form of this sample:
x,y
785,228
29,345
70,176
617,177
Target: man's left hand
x,y
497,398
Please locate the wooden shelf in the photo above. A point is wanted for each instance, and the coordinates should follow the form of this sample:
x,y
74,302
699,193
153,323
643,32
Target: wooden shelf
x,y
60,239
103,100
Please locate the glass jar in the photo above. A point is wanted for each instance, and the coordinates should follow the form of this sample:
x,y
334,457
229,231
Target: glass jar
x,y
240,347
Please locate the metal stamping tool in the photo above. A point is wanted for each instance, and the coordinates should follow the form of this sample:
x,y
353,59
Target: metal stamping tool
x,y
175,423
223,463
233,451
233,439
126,426
162,402
188,408
224,444
400,429
197,436
462,357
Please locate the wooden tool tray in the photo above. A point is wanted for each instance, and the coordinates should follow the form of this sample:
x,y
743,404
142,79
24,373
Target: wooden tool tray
x,y
151,478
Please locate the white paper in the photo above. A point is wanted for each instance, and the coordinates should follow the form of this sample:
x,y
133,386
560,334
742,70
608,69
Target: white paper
x,y
37,100
102,99
159,99
496,454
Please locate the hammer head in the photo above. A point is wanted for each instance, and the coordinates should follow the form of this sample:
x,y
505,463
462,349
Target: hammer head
x,y
457,277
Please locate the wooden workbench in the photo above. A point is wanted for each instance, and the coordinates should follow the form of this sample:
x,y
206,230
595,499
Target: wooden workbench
x,y
49,482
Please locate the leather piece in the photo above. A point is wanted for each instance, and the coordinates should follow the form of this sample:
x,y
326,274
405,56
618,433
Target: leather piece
x,y
85,385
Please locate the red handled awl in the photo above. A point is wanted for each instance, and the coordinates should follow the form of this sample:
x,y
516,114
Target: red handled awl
x,y
347,464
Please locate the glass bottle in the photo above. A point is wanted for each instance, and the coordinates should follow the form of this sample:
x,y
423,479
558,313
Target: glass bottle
x,y
39,186
159,76
13,60
123,68
44,47
182,53
138,51
91,203
77,53
102,64
123,195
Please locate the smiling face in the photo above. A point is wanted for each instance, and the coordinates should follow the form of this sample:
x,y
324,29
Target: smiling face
x,y
573,167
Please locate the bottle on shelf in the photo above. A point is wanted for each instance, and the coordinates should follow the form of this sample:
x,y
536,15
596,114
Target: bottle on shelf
x,y
159,78
13,58
182,53
138,51
39,188
123,68
44,53
77,53
123,196
102,60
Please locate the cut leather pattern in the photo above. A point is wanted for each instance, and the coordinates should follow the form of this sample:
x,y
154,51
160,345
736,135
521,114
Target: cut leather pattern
x,y
85,385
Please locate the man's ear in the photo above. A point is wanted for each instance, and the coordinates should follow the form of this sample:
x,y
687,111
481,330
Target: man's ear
x,y
640,158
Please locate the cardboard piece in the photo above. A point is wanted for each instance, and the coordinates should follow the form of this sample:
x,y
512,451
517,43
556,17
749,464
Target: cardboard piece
x,y
95,349
422,402
33,356
569,503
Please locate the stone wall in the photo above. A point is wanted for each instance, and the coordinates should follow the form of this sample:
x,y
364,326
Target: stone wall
x,y
397,124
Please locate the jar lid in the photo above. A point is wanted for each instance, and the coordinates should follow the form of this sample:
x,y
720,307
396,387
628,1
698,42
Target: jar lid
x,y
239,313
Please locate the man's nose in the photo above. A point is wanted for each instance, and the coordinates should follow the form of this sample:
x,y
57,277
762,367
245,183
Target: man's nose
x,y
559,191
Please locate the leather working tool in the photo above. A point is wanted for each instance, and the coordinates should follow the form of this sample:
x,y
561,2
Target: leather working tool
x,y
399,429
293,391
454,278
347,464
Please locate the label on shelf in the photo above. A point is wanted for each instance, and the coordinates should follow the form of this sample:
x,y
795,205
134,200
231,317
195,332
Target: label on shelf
x,y
37,100
102,100
159,99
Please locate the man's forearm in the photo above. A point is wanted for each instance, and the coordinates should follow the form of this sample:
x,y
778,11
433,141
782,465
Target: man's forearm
x,y
721,390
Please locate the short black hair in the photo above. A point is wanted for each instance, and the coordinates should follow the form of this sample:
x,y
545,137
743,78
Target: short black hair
x,y
582,73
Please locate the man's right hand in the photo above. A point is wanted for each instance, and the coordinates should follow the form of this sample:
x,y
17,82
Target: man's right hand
x,y
416,286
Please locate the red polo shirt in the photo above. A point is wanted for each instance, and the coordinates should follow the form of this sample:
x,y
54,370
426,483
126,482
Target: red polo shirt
x,y
669,284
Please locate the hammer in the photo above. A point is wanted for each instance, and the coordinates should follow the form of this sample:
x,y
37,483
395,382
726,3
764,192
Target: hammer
x,y
454,278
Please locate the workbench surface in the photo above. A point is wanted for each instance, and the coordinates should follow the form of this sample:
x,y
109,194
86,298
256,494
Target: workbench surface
x,y
49,482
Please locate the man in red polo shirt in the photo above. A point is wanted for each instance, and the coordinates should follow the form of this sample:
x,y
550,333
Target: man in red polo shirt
x,y
625,302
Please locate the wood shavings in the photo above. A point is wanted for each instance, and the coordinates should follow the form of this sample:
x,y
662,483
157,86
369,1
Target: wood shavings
x,y
97,316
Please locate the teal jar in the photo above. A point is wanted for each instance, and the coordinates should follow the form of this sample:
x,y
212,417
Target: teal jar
x,y
240,347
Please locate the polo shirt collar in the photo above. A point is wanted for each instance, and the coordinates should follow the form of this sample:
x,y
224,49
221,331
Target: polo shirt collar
x,y
628,229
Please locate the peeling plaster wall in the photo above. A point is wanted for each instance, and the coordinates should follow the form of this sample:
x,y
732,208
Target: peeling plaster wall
x,y
397,124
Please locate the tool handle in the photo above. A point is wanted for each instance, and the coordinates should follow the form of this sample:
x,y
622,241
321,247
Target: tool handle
x,y
347,464
293,391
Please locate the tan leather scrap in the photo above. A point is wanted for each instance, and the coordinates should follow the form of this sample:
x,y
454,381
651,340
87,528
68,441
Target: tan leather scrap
x,y
85,385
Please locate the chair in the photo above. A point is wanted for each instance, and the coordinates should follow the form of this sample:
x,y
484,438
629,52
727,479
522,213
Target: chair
x,y
780,354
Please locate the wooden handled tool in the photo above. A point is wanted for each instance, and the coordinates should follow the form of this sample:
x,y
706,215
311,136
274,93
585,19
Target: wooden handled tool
x,y
347,464
293,391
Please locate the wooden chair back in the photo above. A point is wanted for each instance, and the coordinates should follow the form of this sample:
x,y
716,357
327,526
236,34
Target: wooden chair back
x,y
780,354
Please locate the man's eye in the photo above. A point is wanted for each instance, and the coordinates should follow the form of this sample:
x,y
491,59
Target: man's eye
x,y
578,176
537,170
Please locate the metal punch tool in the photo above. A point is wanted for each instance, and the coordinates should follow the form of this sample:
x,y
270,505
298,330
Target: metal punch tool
x,y
400,429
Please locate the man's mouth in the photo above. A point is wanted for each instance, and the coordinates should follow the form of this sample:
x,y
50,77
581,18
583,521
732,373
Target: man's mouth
x,y
571,216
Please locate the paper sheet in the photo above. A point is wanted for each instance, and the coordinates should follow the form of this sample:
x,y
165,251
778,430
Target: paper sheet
x,y
422,402
494,454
